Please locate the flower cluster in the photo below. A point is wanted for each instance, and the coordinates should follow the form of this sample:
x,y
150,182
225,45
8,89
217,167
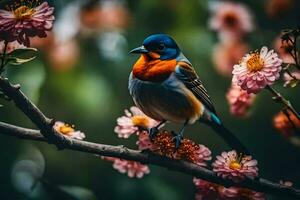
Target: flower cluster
x,y
135,122
164,143
68,130
132,168
195,153
256,70
23,19
228,165
188,150
232,21
211,191
236,167
239,100
144,142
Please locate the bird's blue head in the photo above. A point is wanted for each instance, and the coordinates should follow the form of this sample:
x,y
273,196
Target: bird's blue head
x,y
159,44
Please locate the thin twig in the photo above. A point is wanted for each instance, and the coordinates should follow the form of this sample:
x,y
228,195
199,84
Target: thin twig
x,y
260,184
295,51
286,69
291,75
278,97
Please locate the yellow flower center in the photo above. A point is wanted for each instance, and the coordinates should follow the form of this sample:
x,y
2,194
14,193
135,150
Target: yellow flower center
x,y
234,165
255,63
66,129
23,12
140,120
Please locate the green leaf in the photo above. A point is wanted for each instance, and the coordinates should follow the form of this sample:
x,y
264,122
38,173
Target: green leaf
x,y
19,61
23,53
21,56
292,83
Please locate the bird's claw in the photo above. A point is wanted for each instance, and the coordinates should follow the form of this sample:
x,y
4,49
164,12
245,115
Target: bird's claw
x,y
153,132
177,140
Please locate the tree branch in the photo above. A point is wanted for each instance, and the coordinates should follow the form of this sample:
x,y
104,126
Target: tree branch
x,y
45,124
279,98
260,184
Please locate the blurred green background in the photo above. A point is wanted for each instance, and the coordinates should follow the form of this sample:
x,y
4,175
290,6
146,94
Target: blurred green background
x,y
82,79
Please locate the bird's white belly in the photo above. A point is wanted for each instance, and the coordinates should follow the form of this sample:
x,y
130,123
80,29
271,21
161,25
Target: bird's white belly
x,y
169,100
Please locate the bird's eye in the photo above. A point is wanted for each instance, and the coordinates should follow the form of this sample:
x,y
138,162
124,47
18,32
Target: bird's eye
x,y
161,47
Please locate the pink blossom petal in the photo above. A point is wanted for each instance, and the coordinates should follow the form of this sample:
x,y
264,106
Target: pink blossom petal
x,y
253,80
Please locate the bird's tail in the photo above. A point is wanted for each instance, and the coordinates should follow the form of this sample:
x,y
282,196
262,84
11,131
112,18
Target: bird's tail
x,y
216,124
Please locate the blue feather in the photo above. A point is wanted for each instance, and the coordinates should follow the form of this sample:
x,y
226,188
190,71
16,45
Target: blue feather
x,y
162,44
215,119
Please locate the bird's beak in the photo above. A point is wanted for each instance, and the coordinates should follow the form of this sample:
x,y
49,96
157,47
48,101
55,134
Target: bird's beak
x,y
140,49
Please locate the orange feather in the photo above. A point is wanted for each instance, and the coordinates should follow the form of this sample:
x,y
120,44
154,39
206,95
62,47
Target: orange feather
x,y
154,70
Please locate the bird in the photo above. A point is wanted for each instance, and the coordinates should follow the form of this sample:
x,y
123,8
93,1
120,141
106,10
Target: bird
x,y
165,86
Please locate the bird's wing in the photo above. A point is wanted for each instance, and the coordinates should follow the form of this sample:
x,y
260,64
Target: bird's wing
x,y
186,73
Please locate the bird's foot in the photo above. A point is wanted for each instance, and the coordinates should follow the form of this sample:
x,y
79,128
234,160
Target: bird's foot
x,y
153,132
177,140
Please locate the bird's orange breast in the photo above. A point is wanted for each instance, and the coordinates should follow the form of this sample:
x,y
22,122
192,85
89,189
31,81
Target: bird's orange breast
x,y
153,70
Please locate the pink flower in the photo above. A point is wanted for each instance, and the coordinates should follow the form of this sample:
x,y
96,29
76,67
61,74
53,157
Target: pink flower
x,y
231,166
239,100
133,122
246,194
257,70
201,155
225,55
206,190
144,142
68,130
231,20
132,168
210,191
22,20
190,151
11,46
229,193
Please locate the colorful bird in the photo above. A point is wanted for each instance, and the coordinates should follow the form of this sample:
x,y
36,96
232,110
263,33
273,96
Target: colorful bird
x,y
165,86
